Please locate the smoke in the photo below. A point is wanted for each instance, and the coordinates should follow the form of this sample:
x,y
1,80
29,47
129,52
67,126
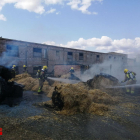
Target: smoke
x,y
114,68
109,67
6,58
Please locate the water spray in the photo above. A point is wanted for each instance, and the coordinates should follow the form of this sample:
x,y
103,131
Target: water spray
x,y
64,80
134,85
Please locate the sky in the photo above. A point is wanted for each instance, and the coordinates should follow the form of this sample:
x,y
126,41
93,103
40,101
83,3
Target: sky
x,y
94,25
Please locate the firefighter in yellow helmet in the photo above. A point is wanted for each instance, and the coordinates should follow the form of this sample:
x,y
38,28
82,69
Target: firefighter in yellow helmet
x,y
25,69
130,78
13,71
71,73
41,75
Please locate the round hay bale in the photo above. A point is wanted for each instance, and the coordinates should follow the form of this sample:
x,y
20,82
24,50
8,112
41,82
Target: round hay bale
x,y
78,99
101,82
50,92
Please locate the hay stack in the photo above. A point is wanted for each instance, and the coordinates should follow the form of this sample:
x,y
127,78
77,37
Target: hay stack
x,y
30,83
101,82
82,85
99,109
101,97
77,99
66,76
56,83
50,92
20,76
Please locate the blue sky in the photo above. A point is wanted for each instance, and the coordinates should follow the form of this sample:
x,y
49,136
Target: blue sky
x,y
96,25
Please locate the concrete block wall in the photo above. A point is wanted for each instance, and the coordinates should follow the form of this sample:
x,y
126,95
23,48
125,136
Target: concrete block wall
x,y
26,55
35,61
2,48
64,69
116,58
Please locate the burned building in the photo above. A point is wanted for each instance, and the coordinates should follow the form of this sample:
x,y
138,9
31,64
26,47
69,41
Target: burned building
x,y
33,54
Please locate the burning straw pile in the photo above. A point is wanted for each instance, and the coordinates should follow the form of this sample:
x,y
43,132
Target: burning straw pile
x,y
77,99
102,81
30,83
86,97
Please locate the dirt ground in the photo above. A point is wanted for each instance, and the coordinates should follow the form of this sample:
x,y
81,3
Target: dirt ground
x,y
30,121
89,113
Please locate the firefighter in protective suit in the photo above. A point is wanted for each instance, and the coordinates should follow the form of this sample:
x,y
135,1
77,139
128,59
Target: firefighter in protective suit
x,y
130,79
13,71
41,75
25,69
71,73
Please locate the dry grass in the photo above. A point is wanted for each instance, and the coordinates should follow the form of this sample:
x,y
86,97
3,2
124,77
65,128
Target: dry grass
x,y
78,99
66,76
31,83
100,82
130,105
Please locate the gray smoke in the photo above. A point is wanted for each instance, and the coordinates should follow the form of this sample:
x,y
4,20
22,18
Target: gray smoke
x,y
7,60
108,67
114,68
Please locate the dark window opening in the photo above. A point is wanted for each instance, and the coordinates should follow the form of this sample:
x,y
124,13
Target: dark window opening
x,y
109,57
12,50
114,57
122,57
36,68
81,56
37,52
69,53
70,56
45,53
98,56
57,53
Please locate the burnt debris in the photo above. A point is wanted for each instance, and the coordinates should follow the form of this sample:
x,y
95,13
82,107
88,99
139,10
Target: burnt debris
x,y
9,91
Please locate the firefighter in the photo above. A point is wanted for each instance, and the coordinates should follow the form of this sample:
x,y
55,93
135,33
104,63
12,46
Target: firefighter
x,y
87,67
130,79
25,69
71,73
41,75
13,71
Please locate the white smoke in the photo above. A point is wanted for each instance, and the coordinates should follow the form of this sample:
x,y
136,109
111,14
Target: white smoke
x,y
115,69
7,60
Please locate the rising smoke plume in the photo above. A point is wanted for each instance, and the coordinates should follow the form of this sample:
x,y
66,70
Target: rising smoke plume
x,y
6,58
114,68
